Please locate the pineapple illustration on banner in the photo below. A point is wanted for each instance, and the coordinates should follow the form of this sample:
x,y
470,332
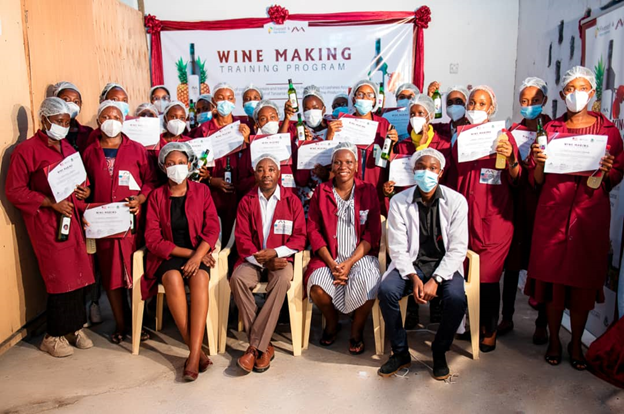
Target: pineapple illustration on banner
x,y
192,77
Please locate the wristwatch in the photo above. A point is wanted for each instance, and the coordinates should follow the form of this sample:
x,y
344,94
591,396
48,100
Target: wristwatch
x,y
438,279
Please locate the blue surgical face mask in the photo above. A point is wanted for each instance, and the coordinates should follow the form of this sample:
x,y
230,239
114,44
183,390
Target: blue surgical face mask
x,y
531,112
225,107
204,117
249,107
125,108
363,106
456,112
340,110
426,180
403,103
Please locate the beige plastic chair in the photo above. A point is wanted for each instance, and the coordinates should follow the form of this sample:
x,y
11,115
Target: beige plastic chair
x,y
294,297
138,304
378,325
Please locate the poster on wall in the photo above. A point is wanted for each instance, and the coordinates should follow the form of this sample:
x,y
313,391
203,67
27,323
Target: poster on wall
x,y
330,57
603,51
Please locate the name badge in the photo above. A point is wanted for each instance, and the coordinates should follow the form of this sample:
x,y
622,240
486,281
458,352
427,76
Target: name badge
x,y
283,227
127,180
489,176
288,180
363,216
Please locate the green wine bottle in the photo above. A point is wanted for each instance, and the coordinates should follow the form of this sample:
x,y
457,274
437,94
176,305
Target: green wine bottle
x,y
292,96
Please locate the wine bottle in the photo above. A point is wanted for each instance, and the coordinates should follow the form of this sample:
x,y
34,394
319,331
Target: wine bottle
x,y
228,171
64,224
192,115
300,128
203,162
594,180
380,98
292,96
437,102
132,219
387,146
541,138
501,160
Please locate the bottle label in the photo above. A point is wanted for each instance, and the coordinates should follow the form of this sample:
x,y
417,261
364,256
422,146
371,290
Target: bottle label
x,y
380,100
293,99
386,147
437,102
301,133
65,223
228,177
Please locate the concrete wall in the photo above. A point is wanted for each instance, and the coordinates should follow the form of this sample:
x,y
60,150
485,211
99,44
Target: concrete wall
x,y
478,35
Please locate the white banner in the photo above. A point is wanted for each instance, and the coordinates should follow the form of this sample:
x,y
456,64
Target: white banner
x,y
330,57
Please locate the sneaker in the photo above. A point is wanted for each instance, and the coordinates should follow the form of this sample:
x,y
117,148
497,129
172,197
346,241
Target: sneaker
x,y
94,313
441,370
57,346
80,340
394,364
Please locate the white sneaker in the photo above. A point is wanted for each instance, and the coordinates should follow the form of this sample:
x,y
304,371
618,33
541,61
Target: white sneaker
x,y
57,346
94,313
80,340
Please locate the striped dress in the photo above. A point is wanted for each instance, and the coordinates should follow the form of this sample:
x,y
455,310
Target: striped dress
x,y
364,276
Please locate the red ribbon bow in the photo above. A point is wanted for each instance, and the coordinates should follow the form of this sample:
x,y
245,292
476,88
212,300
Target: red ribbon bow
x,y
423,17
153,24
278,14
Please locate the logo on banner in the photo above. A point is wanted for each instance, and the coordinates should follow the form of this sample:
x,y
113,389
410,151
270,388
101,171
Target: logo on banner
x,y
286,28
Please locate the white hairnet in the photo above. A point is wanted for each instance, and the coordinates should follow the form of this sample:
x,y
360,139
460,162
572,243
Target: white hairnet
x,y
61,86
177,146
428,151
536,82
252,87
313,90
171,105
460,89
108,88
406,86
53,106
363,82
262,104
341,95
222,85
205,97
424,101
579,72
151,92
270,157
345,146
490,92
146,106
108,103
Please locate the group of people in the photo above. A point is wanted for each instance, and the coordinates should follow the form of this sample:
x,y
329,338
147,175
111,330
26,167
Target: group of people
x,y
514,218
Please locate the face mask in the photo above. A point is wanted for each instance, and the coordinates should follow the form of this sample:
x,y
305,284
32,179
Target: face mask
x,y
74,109
476,117
417,123
177,173
176,126
249,107
125,108
270,128
204,117
111,128
577,100
57,132
340,110
225,108
313,117
426,180
531,112
455,112
403,103
161,105
363,106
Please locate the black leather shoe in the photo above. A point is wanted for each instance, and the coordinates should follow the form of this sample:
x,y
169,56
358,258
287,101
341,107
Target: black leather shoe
x,y
441,370
395,363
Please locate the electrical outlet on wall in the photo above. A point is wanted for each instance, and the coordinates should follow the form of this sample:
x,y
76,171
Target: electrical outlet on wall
x,y
454,68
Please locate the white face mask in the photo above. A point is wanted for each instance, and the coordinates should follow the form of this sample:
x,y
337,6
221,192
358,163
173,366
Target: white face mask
x,y
74,109
176,126
313,117
270,128
177,173
57,132
476,117
417,123
577,100
161,104
111,128
455,112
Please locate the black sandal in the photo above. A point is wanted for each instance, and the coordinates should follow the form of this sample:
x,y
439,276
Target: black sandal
x,y
117,338
328,339
356,347
577,364
145,335
554,360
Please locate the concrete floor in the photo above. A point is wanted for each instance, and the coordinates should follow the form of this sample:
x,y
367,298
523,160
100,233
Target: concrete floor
x,y
108,379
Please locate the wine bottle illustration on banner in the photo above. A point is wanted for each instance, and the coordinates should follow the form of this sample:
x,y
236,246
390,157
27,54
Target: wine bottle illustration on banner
x,y
608,85
193,77
379,63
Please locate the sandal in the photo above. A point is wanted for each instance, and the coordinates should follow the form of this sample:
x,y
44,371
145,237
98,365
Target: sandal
x,y
328,339
554,360
145,335
356,347
577,364
117,338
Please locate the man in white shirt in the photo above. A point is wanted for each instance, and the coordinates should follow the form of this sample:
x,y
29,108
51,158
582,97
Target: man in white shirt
x,y
427,241
270,229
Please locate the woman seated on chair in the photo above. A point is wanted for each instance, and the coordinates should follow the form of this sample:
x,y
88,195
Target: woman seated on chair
x,y
182,228
344,229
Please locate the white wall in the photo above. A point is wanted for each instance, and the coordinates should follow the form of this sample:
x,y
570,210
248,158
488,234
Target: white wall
x,y
538,28
479,35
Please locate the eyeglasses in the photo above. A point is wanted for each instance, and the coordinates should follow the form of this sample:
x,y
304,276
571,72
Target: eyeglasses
x,y
362,95
165,98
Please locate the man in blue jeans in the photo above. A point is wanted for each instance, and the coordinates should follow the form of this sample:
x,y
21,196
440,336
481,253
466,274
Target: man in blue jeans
x,y
427,241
